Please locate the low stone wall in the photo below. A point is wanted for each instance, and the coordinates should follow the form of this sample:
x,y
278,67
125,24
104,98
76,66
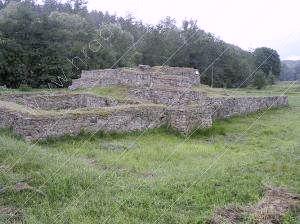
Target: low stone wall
x,y
187,119
92,113
137,77
224,107
60,101
168,96
36,125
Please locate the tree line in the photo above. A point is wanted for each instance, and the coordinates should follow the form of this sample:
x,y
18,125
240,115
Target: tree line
x,y
290,70
49,44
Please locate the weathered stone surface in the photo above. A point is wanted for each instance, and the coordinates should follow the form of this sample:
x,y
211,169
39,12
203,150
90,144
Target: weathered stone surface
x,y
99,115
144,67
168,95
135,77
161,96
188,118
225,107
39,124
59,101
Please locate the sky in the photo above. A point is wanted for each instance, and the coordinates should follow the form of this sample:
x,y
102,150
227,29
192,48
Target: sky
x,y
245,23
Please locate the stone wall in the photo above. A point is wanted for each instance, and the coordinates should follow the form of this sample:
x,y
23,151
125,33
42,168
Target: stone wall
x,y
224,107
188,118
35,125
168,95
60,101
137,77
92,113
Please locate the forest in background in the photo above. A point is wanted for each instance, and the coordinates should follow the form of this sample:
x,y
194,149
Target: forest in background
x,y
48,44
290,70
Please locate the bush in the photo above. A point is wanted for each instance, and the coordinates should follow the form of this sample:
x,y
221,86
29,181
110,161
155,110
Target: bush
x,y
260,80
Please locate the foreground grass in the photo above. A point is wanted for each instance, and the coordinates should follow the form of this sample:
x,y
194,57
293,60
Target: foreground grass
x,y
160,177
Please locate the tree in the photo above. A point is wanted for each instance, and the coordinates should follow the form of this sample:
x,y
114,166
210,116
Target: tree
x,y
43,43
260,79
268,61
115,43
297,71
297,68
40,44
78,6
2,4
290,70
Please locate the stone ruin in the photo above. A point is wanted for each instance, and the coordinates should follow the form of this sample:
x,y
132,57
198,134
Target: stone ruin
x,y
142,76
158,96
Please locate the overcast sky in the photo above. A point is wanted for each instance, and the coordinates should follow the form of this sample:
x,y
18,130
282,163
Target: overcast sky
x,y
246,23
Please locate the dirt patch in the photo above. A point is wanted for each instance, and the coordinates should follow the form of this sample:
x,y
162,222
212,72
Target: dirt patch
x,y
231,214
11,215
4,168
94,163
23,186
114,147
148,175
270,209
118,169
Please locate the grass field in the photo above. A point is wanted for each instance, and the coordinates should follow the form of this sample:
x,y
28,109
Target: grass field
x,y
159,177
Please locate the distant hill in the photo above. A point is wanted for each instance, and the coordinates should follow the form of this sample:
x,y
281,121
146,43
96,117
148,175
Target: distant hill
x,y
290,70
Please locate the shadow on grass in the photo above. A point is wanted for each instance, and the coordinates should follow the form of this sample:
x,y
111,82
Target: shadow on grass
x,y
8,132
87,136
218,128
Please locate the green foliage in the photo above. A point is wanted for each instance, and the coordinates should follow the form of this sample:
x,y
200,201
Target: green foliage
x,y
269,62
37,45
260,79
290,70
49,45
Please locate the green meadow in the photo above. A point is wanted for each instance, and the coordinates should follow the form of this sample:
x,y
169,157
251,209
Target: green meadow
x,y
154,177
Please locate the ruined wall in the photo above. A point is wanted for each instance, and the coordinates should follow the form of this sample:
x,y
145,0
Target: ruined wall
x,y
224,107
60,101
186,119
136,77
168,89
34,126
169,96
41,124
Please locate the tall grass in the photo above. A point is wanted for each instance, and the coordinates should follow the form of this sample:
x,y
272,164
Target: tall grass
x,y
142,185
